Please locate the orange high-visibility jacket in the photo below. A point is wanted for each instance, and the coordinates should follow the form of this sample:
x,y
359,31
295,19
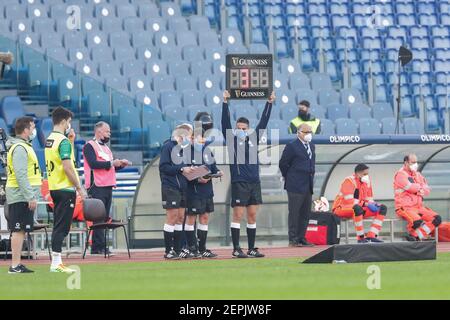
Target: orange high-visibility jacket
x,y
346,196
409,188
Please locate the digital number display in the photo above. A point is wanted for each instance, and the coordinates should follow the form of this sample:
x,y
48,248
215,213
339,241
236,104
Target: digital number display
x,y
249,76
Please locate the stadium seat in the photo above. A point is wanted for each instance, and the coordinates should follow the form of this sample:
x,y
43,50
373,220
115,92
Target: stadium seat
x,y
346,127
336,111
11,108
369,126
327,128
359,111
389,125
158,132
328,96
130,128
413,126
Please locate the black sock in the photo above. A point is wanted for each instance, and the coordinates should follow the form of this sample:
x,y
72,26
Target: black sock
x,y
190,237
251,235
235,233
168,240
177,238
202,234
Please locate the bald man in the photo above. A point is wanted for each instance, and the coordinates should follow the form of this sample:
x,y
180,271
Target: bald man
x,y
297,166
100,176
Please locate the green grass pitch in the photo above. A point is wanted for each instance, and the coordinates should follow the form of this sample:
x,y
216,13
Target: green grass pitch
x,y
235,279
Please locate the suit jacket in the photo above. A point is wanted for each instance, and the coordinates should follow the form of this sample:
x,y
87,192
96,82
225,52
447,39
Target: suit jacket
x,y
297,168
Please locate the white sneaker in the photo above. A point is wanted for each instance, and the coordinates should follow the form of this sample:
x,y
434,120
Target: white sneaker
x,y
61,268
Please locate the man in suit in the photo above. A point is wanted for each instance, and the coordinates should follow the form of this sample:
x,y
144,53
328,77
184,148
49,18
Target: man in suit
x,y
297,165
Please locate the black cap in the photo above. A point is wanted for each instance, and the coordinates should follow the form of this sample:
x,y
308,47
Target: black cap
x,y
304,103
204,120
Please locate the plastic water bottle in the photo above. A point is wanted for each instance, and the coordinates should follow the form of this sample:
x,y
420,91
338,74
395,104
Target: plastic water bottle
x,y
339,261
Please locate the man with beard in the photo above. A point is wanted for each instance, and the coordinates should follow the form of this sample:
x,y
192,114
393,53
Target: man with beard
x,y
304,117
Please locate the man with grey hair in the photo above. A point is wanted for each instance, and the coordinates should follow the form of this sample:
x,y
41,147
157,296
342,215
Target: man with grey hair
x,y
297,165
100,176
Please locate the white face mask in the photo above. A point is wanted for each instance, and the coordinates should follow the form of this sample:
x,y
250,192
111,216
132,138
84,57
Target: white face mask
x,y
365,179
33,134
68,129
414,166
308,137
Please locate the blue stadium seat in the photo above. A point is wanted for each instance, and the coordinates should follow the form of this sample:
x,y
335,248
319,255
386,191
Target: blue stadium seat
x,y
389,125
101,54
111,24
170,53
68,91
156,68
138,83
433,122
328,96
192,53
158,132
45,127
109,69
126,11
318,111
150,114
413,126
192,97
186,38
174,112
327,127
185,83
177,24
133,25
169,98
164,39
320,81
98,105
119,100
382,110
214,99
163,82
208,38
11,108
359,111
194,109
346,126
246,111
130,128
118,39
148,10
369,126
350,96
170,9
179,68
199,23
285,98
89,84
308,95
123,53
58,54
336,111
299,81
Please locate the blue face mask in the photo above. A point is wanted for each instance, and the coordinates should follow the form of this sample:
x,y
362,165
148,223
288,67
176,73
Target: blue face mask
x,y
198,147
185,143
241,134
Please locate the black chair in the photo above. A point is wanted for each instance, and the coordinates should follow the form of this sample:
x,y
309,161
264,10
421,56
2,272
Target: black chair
x,y
36,227
94,210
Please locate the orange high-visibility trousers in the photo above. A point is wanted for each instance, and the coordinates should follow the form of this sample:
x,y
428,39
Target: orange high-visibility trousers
x,y
349,213
412,214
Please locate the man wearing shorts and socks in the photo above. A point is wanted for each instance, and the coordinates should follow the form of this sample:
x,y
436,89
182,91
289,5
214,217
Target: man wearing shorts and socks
x,y
23,188
173,165
63,181
200,199
244,168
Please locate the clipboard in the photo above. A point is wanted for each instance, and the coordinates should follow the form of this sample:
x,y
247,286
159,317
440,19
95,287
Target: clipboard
x,y
198,172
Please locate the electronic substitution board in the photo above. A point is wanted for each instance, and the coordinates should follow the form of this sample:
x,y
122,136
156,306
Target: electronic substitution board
x,y
249,76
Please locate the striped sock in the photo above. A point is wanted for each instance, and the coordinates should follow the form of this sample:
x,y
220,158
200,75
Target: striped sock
x,y
251,235
168,237
235,234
